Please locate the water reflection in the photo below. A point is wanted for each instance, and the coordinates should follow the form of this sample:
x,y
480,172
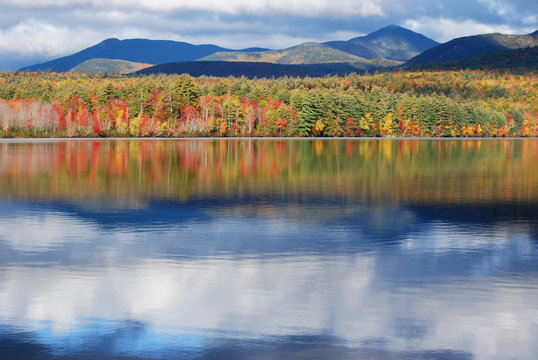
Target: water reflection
x,y
127,173
269,249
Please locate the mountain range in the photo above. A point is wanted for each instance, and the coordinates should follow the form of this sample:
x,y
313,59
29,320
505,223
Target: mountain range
x,y
307,53
135,50
388,47
393,44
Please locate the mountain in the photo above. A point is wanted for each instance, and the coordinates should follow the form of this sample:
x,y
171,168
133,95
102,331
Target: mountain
x,y
307,53
470,46
136,50
524,59
254,69
391,42
109,66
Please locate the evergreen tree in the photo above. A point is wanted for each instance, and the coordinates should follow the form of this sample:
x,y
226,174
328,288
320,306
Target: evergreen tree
x,y
311,112
426,115
518,114
106,94
219,89
186,92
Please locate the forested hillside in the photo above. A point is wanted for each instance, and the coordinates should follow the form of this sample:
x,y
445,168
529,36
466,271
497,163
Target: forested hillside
x,y
109,66
308,53
523,60
262,70
471,46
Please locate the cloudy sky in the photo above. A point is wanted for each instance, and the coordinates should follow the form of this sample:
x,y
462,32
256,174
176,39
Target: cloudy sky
x,y
36,30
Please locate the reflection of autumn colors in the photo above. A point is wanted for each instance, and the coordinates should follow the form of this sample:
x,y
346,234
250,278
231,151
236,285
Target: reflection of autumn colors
x,y
394,171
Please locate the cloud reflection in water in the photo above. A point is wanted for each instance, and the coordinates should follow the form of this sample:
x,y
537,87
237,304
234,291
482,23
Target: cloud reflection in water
x,y
173,289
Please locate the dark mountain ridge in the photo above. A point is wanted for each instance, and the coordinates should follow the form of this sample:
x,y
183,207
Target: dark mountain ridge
x,y
471,46
523,59
136,50
251,69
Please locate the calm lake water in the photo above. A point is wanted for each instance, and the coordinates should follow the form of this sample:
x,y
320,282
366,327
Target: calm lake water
x,y
269,249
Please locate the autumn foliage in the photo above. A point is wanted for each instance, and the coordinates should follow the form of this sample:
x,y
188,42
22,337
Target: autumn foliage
x,y
392,104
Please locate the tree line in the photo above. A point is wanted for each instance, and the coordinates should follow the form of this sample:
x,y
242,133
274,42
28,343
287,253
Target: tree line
x,y
392,104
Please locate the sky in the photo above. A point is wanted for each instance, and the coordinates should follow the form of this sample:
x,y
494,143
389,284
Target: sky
x,y
32,31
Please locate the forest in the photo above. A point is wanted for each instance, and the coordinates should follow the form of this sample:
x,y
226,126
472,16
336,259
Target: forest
x,y
463,103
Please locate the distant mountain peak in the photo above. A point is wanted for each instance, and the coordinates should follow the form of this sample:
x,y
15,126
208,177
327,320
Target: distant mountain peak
x,y
393,27
393,30
109,41
390,42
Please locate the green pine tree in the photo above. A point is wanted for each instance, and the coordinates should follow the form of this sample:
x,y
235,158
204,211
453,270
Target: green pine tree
x,y
312,111
186,91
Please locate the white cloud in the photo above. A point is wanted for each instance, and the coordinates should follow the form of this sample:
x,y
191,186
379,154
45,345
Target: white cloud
x,y
498,6
47,39
531,20
238,7
36,37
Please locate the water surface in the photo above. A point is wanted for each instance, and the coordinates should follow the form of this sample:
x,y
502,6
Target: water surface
x,y
269,249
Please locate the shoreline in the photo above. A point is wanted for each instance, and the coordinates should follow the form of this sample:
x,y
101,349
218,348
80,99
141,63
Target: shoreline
x,y
37,140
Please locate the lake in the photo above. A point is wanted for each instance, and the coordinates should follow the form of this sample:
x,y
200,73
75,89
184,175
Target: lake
x,y
269,249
